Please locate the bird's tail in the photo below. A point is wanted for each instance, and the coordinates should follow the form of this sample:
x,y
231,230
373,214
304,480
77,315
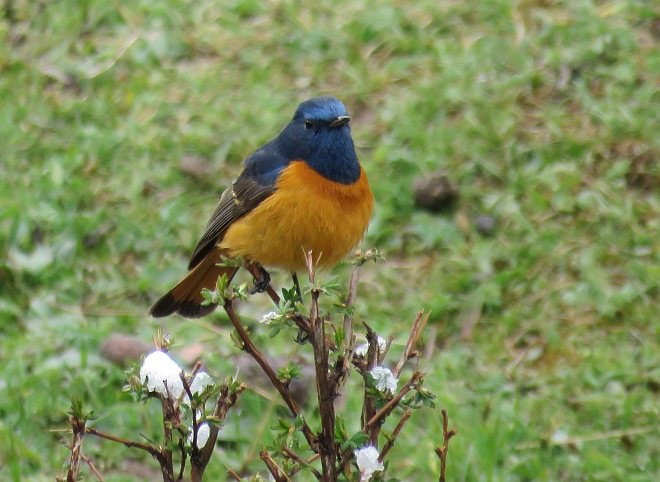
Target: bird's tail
x,y
186,298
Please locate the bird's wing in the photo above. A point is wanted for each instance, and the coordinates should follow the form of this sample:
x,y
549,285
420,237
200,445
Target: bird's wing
x,y
256,183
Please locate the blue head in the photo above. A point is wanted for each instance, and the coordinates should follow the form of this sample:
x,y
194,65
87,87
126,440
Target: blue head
x,y
319,134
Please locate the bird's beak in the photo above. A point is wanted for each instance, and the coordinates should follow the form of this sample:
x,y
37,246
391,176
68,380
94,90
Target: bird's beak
x,y
340,121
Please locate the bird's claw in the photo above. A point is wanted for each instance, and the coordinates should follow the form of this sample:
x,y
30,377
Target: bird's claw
x,y
260,284
302,337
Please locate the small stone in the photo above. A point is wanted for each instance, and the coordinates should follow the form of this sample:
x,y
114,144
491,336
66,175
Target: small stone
x,y
435,192
485,224
123,350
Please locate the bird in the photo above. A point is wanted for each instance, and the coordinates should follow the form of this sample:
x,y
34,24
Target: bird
x,y
305,190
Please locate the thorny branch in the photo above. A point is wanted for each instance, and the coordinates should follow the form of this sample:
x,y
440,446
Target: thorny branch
x,y
233,474
275,470
200,458
329,379
74,464
415,332
170,413
171,422
92,467
153,451
327,445
302,462
369,403
254,352
379,416
344,363
307,463
442,451
78,429
395,433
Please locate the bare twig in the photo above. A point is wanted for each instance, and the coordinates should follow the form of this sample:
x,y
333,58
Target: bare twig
x,y
233,474
383,353
369,403
342,366
170,419
379,416
374,423
89,463
92,467
78,429
182,467
392,439
275,470
348,316
372,351
442,451
195,424
301,462
200,458
153,451
308,463
254,352
415,332
327,446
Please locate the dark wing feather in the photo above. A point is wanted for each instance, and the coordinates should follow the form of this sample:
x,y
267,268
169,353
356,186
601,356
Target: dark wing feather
x,y
256,183
242,197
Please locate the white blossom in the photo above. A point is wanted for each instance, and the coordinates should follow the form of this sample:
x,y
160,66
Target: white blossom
x,y
159,371
367,462
384,379
200,382
362,349
203,433
269,317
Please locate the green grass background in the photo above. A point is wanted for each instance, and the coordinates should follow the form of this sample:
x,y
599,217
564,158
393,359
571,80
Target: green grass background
x,y
544,114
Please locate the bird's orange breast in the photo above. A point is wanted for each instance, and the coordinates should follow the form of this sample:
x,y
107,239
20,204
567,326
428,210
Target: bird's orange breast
x,y
306,212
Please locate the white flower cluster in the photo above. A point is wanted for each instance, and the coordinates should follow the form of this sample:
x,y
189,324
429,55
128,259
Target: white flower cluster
x,y
384,379
200,382
203,433
268,318
361,350
367,462
163,375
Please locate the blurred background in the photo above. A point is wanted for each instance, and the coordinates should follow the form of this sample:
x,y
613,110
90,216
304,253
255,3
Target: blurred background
x,y
512,147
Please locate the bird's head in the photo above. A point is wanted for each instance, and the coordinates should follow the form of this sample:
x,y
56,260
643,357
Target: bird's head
x,y
320,135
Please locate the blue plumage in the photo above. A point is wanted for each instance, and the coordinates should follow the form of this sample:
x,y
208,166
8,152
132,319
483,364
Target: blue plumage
x,y
318,134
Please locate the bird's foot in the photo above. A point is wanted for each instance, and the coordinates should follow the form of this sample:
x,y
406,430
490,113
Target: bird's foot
x,y
296,285
260,283
302,337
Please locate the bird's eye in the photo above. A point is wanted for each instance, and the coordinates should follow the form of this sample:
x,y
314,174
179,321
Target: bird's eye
x,y
309,124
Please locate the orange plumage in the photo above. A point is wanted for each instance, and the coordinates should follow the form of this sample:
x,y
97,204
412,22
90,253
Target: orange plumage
x,y
309,212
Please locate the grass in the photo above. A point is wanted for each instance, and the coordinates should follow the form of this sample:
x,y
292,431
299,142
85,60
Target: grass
x,y
121,124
